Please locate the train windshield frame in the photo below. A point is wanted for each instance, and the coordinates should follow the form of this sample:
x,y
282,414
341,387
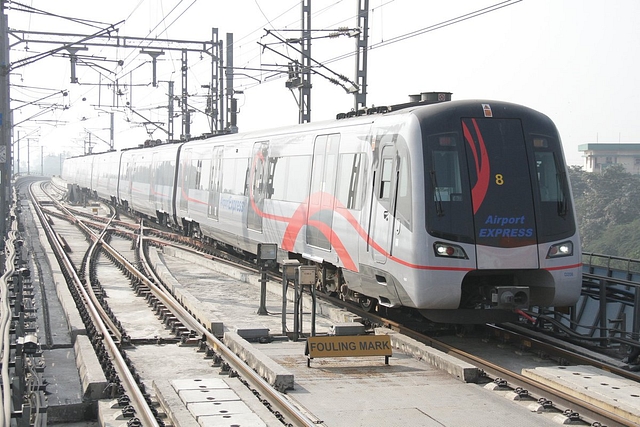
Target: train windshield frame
x,y
495,181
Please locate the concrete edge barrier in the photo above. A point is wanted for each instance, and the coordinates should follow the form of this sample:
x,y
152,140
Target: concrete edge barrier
x,y
200,310
94,383
276,375
74,320
464,371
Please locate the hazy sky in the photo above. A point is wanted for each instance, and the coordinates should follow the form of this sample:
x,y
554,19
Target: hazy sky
x,y
574,60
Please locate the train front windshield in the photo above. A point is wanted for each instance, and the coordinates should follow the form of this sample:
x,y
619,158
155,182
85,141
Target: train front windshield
x,y
496,182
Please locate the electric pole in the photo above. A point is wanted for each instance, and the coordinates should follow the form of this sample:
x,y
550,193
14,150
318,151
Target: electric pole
x,y
360,97
154,48
305,84
5,125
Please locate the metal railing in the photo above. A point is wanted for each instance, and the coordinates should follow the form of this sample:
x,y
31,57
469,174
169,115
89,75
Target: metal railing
x,y
614,282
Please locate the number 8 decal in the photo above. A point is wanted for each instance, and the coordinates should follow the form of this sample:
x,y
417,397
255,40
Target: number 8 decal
x,y
499,179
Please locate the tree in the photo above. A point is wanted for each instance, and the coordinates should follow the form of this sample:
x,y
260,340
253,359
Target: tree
x,y
604,202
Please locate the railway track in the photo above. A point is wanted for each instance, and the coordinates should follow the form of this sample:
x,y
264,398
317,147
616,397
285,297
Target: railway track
x,y
104,330
521,387
183,323
502,379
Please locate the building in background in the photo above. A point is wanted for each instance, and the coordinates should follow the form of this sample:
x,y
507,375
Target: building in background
x,y
599,156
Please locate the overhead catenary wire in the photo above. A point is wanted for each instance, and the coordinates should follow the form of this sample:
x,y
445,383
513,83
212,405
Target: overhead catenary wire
x,y
136,52
421,31
19,7
145,99
430,28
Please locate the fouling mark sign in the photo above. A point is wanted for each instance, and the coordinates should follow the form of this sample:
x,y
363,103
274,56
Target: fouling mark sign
x,y
348,346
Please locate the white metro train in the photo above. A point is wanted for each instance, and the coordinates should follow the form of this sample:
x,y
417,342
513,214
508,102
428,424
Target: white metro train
x,y
460,209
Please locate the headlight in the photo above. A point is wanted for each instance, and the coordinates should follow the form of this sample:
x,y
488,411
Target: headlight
x,y
560,249
449,251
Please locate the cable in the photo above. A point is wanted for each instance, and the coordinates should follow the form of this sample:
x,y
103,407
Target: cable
x,y
30,9
136,52
443,24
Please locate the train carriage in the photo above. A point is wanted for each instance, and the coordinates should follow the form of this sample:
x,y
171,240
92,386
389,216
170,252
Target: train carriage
x,y
104,175
164,161
125,182
78,171
447,208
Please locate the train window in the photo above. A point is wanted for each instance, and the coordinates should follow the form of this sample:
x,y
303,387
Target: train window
x,y
318,165
298,173
215,177
447,209
198,185
331,165
288,174
547,173
553,197
348,184
233,175
324,164
185,176
403,204
447,180
385,179
278,176
125,169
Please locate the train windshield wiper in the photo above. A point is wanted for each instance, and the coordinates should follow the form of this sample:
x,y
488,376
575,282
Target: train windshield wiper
x,y
436,194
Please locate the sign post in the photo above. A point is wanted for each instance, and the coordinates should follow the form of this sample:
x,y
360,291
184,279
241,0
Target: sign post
x,y
267,254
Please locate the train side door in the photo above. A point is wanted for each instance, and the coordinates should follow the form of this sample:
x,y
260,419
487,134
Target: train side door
x,y
322,193
152,181
127,173
185,180
215,186
257,187
383,205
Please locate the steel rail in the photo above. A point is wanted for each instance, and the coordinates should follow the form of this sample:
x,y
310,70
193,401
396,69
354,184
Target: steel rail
x,y
286,408
283,405
97,241
525,335
567,400
91,292
128,382
513,377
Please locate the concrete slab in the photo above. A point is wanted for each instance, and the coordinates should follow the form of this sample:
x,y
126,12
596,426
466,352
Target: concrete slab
x,y
177,412
208,395
595,386
230,407
213,403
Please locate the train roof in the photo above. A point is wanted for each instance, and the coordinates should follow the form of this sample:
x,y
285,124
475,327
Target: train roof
x,y
470,107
